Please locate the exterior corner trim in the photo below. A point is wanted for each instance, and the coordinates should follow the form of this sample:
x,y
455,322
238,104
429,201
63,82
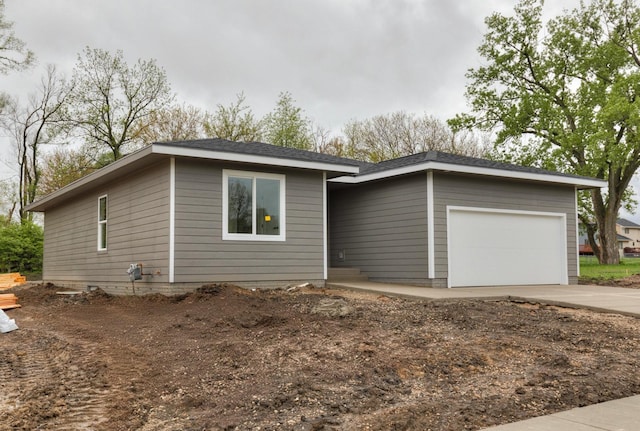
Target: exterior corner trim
x,y
172,219
431,262
325,236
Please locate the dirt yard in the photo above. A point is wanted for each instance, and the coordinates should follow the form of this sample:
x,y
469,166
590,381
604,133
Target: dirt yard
x,y
230,359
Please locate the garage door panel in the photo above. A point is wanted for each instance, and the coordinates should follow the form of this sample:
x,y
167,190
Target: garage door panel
x,y
500,248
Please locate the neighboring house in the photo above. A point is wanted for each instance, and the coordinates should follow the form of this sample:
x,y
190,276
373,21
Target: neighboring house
x,y
628,236
254,214
628,233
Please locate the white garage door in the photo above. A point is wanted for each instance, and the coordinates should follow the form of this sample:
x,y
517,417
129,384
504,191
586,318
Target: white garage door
x,y
496,247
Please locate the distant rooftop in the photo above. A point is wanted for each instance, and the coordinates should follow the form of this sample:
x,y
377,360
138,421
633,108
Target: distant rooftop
x,y
627,223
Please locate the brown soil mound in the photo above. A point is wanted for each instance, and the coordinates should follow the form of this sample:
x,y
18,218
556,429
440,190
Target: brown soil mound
x,y
632,282
222,358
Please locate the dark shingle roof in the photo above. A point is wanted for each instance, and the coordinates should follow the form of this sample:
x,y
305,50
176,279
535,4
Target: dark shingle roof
x,y
453,159
623,238
268,150
261,149
627,223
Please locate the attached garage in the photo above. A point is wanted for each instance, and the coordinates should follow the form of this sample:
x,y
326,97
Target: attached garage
x,y
492,247
443,220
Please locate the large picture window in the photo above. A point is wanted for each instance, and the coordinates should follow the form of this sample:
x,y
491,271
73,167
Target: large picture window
x,y
253,206
102,223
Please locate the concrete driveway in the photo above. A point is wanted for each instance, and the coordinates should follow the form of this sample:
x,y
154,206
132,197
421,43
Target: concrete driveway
x,y
606,299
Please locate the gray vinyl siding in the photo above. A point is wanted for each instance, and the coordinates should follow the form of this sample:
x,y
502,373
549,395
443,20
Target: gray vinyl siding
x,y
201,255
482,192
138,232
382,228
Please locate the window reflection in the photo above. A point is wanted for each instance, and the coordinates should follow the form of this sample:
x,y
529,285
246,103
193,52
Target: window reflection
x,y
240,205
267,206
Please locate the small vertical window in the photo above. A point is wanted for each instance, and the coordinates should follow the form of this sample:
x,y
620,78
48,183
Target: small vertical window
x,y
102,223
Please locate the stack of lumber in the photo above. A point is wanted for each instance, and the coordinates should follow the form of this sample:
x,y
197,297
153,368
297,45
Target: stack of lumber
x,y
12,279
8,301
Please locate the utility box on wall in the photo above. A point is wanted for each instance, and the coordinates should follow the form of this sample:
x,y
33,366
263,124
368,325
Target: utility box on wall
x,y
135,271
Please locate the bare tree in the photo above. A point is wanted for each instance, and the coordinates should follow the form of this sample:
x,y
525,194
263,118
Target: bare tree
x,y
8,201
31,126
62,166
175,123
321,139
400,134
112,102
13,52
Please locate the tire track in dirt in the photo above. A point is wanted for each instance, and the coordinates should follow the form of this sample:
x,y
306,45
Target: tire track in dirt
x,y
49,383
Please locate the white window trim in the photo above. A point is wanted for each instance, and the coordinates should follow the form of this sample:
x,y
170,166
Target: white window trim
x,y
101,222
226,173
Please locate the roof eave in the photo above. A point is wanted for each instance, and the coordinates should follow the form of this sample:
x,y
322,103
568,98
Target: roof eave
x,y
253,159
173,151
579,182
43,203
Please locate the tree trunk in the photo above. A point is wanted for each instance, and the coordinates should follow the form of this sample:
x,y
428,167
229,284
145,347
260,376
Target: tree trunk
x,y
606,216
11,211
22,185
592,231
609,253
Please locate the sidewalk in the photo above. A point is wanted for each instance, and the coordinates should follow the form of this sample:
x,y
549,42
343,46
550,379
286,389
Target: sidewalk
x,y
617,415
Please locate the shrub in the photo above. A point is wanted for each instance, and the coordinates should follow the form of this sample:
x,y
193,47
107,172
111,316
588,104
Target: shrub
x,y
21,247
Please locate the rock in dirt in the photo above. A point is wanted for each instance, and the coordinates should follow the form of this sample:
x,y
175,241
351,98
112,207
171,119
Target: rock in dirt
x,y
333,307
297,287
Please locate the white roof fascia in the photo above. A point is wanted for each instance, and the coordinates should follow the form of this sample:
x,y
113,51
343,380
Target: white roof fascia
x,y
252,158
436,166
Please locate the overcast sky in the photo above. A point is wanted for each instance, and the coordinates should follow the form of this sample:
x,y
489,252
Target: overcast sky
x,y
340,59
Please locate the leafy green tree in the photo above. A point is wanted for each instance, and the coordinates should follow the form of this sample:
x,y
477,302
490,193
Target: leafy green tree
x,y
112,101
21,247
14,54
565,95
234,122
286,125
